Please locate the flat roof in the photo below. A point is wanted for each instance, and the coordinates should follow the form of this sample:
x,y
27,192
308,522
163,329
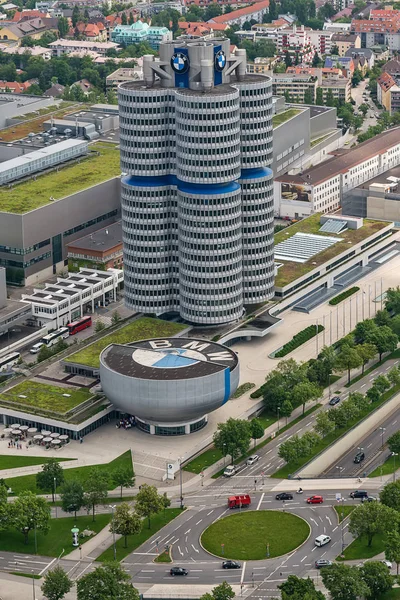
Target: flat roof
x,y
346,159
102,240
19,161
382,178
169,359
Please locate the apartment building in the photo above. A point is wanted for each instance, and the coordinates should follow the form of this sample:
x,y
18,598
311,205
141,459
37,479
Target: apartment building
x,y
388,92
61,47
345,42
238,17
141,32
298,87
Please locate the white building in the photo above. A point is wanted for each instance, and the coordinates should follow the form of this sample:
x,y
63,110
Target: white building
x,y
70,298
61,46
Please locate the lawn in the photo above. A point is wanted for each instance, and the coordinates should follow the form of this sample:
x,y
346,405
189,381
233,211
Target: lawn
x,y
242,389
158,521
140,329
14,462
359,548
58,538
203,460
16,132
94,169
46,397
319,140
290,271
392,594
346,510
28,482
284,116
245,535
388,467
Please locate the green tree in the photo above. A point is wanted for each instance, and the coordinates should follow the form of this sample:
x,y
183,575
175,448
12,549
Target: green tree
x,y
291,449
295,588
305,391
359,400
384,340
382,317
348,359
392,548
308,97
371,518
373,394
394,376
363,330
308,441
75,15
212,10
329,100
335,50
124,19
395,325
72,496
392,300
233,437
377,577
4,512
50,477
316,60
344,582
115,318
286,409
96,490
323,424
394,442
166,502
56,584
390,495
257,429
220,592
366,352
29,512
125,522
363,108
123,478
99,326
63,26
108,582
148,502
381,383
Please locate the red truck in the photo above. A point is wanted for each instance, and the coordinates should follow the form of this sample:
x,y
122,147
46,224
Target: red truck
x,y
239,501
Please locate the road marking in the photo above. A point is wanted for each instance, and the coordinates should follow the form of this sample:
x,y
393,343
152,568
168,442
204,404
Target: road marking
x,y
188,531
329,521
363,386
309,423
180,551
243,570
314,521
301,429
369,445
47,566
211,511
199,521
315,547
261,499
195,549
303,559
148,571
335,528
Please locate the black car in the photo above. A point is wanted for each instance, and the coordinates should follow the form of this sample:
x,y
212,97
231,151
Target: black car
x,y
334,400
178,571
284,496
321,562
230,564
359,457
359,494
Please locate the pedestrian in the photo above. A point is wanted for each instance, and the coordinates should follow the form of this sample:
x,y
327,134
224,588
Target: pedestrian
x,y
81,440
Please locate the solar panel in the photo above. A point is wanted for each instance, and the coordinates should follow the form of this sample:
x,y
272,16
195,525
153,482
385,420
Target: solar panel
x,y
334,226
303,246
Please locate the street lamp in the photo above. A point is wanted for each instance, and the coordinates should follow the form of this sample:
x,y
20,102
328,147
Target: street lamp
x,y
55,490
223,449
394,454
278,408
382,430
343,500
112,506
180,482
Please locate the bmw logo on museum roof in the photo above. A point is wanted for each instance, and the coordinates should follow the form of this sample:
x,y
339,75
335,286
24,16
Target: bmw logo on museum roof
x,y
220,60
180,62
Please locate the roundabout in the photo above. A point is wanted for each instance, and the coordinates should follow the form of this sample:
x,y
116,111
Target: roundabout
x,y
255,535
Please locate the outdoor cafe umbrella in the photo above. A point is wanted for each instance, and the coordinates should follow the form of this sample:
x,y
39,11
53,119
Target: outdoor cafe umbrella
x,y
38,437
54,435
16,432
24,428
55,442
15,425
45,432
7,430
64,438
32,430
47,440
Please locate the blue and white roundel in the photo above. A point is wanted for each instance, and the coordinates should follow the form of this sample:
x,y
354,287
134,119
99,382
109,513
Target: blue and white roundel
x,y
168,358
180,62
220,60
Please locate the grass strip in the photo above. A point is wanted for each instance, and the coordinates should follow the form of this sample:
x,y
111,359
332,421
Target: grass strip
x,y
344,510
391,356
293,466
163,558
31,576
299,339
340,297
242,389
359,548
389,466
15,462
158,521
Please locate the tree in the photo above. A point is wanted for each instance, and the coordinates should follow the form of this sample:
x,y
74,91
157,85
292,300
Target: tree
x,y
286,409
63,26
344,582
390,495
323,424
395,325
329,100
295,588
308,97
371,518
257,429
288,59
124,478
363,108
99,326
51,476
392,548
373,394
394,376
29,512
377,577
319,98
212,10
148,502
124,19
125,522
316,60
384,340
166,502
305,391
308,441
96,486
72,496
363,330
108,582
115,318
381,383
233,437
348,359
359,400
382,317
392,300
366,352
272,10
220,592
56,584
394,442
75,15
4,512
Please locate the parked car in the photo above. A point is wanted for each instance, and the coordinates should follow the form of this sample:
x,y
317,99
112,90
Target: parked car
x,y
230,470
359,457
321,562
284,496
178,571
231,564
387,563
334,400
321,540
315,500
36,348
369,499
252,459
359,494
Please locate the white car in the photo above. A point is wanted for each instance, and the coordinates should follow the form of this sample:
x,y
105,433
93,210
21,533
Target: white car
x,y
387,563
321,540
36,348
230,470
252,459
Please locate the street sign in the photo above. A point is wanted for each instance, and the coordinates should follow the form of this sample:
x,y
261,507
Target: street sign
x,y
338,496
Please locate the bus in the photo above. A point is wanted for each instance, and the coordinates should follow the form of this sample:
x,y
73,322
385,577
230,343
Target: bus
x,y
79,325
6,362
52,338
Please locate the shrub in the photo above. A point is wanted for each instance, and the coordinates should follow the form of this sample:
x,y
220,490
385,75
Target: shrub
x,y
299,339
340,297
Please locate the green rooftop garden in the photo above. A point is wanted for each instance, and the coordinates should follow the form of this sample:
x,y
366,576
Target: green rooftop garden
x,y
94,169
141,329
46,397
284,116
290,271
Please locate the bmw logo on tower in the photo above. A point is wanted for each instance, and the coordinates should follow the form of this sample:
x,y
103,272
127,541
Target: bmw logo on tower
x,y
180,62
220,60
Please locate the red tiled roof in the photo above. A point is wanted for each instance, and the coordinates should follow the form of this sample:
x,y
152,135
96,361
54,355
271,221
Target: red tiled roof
x,y
14,86
248,10
28,14
362,25
386,81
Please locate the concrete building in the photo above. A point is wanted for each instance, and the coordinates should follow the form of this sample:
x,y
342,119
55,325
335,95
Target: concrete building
x,y
34,28
297,87
199,177
141,32
345,42
388,92
377,32
254,12
72,297
377,198
124,74
61,46
321,188
100,250
340,87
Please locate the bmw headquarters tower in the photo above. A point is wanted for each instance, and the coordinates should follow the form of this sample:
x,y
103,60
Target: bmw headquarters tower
x,y
197,196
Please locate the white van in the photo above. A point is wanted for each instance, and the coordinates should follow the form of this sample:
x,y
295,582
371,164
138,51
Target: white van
x,y
230,470
36,348
321,540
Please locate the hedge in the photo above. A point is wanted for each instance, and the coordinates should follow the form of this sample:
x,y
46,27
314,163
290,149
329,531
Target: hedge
x,y
299,339
340,297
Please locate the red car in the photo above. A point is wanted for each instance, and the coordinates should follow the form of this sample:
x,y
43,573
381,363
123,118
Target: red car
x,y
315,500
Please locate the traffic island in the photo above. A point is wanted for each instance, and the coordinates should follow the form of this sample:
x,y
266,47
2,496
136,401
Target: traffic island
x,y
255,535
